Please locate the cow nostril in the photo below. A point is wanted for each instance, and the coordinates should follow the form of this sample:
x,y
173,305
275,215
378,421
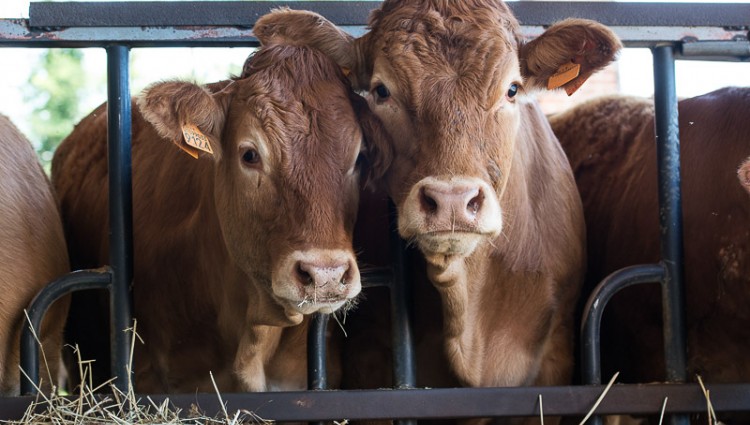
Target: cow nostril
x,y
475,204
429,205
303,277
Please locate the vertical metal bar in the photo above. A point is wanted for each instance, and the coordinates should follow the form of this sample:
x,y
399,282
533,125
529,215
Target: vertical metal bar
x,y
317,375
316,352
120,211
404,370
670,216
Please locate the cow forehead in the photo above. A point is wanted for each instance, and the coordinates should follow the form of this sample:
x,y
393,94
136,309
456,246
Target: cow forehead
x,y
435,52
307,131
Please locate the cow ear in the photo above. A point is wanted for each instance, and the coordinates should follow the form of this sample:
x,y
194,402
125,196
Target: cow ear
x,y
187,114
567,53
299,27
378,144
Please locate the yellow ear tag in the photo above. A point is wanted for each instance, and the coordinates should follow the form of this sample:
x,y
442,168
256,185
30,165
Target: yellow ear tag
x,y
194,141
346,71
566,73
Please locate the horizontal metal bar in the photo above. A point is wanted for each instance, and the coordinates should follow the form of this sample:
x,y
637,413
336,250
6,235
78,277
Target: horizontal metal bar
x,y
229,13
710,49
449,402
184,13
17,33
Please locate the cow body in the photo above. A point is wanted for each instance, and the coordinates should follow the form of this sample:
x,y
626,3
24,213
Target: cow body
x,y
481,185
32,251
230,250
610,142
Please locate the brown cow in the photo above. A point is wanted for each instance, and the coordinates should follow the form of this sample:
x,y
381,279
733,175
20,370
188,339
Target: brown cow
x,y
610,142
482,186
233,249
32,251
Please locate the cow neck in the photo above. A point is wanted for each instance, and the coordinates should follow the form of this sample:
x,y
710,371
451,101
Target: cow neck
x,y
458,300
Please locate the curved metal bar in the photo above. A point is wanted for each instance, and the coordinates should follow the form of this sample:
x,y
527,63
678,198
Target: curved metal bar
x,y
76,281
592,313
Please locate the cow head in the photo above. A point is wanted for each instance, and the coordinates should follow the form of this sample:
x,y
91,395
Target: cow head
x,y
285,142
448,80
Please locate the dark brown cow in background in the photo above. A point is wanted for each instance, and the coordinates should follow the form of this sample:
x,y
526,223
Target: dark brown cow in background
x,y
482,187
234,248
610,142
32,254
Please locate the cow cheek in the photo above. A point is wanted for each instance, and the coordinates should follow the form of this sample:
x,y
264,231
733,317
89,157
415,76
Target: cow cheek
x,y
247,219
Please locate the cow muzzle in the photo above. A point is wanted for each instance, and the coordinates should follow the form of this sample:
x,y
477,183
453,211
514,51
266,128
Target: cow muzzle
x,y
317,280
450,216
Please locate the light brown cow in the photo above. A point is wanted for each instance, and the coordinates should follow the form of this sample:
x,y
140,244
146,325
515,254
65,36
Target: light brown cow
x,y
233,249
610,142
33,254
482,186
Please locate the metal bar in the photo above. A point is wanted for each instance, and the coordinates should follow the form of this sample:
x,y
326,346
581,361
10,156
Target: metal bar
x,y
670,211
227,13
670,217
185,13
316,352
317,375
17,33
404,368
441,403
404,371
120,211
76,281
592,314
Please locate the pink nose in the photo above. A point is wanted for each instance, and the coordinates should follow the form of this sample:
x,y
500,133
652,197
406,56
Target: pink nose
x,y
321,273
458,204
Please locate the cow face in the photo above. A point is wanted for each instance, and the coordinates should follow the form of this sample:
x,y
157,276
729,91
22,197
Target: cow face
x,y
448,81
285,143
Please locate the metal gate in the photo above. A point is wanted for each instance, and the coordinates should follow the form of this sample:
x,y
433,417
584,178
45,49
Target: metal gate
x,y
682,31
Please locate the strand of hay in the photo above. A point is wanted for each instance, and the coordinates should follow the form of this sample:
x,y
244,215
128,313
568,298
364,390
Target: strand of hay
x,y
601,397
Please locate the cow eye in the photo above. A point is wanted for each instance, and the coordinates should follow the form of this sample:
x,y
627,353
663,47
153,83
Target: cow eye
x,y
512,91
382,92
251,157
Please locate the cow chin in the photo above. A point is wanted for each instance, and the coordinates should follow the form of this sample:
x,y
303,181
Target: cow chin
x,y
440,247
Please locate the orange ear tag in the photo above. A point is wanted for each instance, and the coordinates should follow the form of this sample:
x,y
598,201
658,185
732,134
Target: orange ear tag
x,y
346,71
194,141
565,74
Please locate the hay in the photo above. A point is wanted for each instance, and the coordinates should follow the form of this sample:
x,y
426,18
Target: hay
x,y
90,406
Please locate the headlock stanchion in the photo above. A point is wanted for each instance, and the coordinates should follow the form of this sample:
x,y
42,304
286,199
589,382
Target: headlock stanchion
x,y
706,31
669,272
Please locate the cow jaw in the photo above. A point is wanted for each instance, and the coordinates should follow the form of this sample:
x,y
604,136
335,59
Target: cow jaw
x,y
316,280
448,217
